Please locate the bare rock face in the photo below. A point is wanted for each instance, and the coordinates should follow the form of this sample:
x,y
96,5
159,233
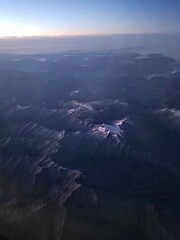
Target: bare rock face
x,y
32,186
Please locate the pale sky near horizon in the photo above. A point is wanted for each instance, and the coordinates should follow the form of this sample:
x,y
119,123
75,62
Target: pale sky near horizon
x,y
84,17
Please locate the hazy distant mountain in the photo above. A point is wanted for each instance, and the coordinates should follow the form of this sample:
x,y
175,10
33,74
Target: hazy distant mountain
x,y
167,44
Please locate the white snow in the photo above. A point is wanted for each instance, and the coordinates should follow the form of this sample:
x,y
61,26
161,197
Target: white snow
x,y
176,71
20,107
75,92
41,59
114,129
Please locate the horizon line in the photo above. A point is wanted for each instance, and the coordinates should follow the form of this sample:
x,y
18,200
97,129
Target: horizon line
x,y
86,35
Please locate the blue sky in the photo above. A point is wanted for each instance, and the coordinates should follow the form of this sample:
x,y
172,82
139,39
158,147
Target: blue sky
x,y
81,17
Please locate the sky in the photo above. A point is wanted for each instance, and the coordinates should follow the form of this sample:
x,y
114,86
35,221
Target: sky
x,y
88,17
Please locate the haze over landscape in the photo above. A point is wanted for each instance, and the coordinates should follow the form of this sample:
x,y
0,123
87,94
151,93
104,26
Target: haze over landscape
x,y
55,26
167,44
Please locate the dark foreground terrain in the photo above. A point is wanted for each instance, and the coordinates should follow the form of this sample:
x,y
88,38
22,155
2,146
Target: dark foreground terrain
x,y
89,147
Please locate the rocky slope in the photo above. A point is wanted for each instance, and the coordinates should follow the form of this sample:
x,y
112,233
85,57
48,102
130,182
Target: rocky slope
x,y
89,149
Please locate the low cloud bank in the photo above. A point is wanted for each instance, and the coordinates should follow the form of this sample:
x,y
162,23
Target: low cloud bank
x,y
168,44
